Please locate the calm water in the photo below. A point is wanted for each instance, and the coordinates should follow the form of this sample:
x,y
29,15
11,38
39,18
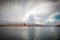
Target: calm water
x,y
29,33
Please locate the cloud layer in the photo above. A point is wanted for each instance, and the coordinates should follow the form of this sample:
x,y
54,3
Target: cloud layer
x,y
30,11
41,12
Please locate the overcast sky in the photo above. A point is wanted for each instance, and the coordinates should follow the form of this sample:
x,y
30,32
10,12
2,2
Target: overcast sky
x,y
40,11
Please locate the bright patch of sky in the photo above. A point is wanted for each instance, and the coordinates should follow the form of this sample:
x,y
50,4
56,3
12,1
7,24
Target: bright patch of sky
x,y
57,17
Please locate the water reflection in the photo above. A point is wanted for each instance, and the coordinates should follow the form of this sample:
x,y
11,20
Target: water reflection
x,y
29,33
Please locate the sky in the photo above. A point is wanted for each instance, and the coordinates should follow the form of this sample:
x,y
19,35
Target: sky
x,y
42,12
45,12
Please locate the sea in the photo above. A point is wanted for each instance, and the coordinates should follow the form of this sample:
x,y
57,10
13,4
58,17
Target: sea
x,y
29,33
